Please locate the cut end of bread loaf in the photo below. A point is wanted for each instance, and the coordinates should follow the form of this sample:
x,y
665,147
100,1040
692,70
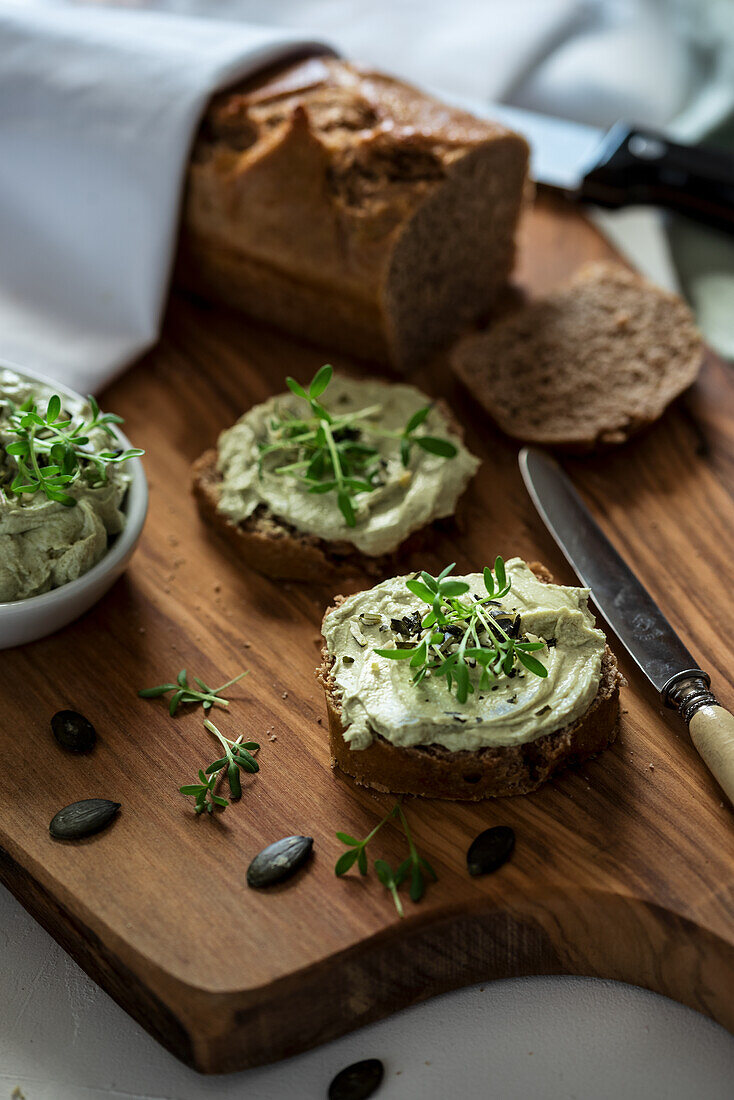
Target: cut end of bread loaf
x,y
433,771
454,256
587,365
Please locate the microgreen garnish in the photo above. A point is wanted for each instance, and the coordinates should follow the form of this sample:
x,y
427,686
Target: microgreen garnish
x,y
331,452
205,797
415,865
52,450
237,755
183,693
457,636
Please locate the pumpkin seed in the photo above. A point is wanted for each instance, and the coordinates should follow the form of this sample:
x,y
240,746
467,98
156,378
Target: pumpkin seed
x,y
490,850
279,860
73,731
83,818
358,1081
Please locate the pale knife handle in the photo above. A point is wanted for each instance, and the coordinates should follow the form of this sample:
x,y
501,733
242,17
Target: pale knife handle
x,y
712,732
711,726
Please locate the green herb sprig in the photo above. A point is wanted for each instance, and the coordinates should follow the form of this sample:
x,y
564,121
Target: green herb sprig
x,y
458,636
415,865
183,693
331,452
51,450
237,756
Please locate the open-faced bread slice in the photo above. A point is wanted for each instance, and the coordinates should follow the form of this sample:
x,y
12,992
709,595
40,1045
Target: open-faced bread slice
x,y
434,771
275,548
588,364
284,527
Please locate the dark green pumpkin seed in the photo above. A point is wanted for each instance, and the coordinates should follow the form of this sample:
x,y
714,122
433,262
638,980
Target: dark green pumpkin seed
x,y
73,731
279,860
358,1081
490,850
83,818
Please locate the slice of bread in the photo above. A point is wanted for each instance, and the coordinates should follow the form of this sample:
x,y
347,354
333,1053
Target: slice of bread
x,y
587,365
435,772
270,545
276,549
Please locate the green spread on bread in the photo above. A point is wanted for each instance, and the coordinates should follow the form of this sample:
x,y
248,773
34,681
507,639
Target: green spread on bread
x,y
407,480
49,540
379,694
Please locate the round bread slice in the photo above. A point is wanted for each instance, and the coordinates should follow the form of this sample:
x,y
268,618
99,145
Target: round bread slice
x,y
587,365
272,546
276,549
433,771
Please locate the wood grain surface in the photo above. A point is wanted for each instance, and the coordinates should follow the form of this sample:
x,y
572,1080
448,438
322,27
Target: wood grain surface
x,y
623,868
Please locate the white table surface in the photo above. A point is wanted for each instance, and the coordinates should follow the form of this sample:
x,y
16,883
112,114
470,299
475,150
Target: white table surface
x,y
62,1038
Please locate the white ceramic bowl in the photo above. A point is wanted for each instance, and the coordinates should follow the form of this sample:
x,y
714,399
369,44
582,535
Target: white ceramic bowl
x,y
24,621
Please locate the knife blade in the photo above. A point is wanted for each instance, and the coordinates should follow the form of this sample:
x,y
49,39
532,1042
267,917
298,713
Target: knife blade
x,y
632,613
623,166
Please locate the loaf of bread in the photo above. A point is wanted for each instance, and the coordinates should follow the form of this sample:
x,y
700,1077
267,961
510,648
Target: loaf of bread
x,y
587,365
351,209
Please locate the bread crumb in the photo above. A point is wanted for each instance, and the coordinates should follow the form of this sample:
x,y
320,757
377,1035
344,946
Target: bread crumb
x,y
273,737
284,695
651,767
247,645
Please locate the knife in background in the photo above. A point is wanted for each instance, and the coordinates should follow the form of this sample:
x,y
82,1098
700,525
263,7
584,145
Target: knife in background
x,y
624,166
635,618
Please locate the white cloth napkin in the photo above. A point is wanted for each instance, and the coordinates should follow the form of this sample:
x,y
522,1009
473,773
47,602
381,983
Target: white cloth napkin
x,y
480,48
97,113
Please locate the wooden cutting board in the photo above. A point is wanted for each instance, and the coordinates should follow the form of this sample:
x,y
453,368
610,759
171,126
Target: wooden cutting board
x,y
623,868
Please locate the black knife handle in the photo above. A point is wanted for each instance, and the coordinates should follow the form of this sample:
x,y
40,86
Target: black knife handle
x,y
640,166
